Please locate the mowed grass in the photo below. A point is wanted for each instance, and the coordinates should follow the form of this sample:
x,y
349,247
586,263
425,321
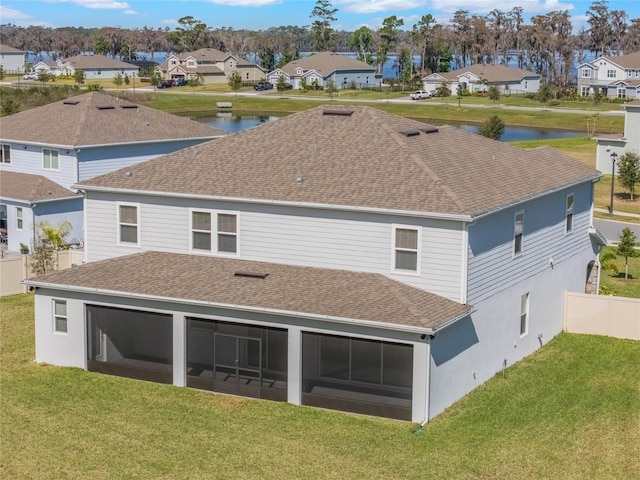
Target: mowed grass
x,y
570,411
615,283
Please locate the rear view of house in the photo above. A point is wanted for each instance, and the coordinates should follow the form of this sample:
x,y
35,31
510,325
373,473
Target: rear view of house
x,y
341,257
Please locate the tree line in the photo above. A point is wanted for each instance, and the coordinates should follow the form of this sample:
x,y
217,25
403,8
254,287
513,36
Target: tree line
x,y
545,45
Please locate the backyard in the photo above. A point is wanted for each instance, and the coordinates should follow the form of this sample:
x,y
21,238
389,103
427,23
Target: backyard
x,y
570,411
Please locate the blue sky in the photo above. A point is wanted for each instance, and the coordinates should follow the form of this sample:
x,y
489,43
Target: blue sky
x,y
262,14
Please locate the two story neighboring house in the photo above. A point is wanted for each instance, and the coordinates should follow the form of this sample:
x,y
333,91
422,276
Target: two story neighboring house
x,y
479,77
320,68
211,64
11,59
74,139
610,147
342,257
93,66
615,77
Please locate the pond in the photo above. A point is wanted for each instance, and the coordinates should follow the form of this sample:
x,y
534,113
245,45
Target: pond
x,y
232,123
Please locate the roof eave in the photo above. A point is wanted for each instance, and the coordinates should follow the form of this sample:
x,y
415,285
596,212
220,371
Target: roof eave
x,y
102,145
353,208
245,308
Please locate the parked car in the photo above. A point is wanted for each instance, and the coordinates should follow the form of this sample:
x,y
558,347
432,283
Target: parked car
x,y
180,82
166,84
30,76
263,86
419,95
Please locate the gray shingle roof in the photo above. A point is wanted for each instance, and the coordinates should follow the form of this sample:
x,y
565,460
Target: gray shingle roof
x,y
303,290
326,63
632,60
362,160
31,188
97,61
492,73
96,118
8,49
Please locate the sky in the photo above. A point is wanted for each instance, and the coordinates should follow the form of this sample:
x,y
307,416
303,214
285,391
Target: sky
x,y
262,14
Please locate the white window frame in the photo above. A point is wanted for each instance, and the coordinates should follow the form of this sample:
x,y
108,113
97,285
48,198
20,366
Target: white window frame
x,y
586,73
19,218
5,153
417,250
611,74
514,250
524,315
50,152
585,91
55,317
569,209
214,232
120,224
621,92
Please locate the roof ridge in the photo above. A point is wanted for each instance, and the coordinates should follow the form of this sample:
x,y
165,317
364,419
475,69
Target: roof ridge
x,y
393,287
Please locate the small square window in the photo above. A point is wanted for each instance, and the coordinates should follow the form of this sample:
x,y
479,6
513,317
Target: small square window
x,y
60,316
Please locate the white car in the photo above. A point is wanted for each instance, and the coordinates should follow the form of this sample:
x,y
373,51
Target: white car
x,y
30,76
419,95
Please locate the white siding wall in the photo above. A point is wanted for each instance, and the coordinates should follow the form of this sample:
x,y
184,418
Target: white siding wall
x,y
342,240
632,128
30,160
492,266
15,236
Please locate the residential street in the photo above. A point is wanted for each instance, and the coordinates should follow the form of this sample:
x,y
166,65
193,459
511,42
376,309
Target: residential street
x,y
612,229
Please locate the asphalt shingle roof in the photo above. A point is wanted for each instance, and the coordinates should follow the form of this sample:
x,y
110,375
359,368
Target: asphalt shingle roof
x,y
325,63
97,61
96,118
302,290
492,73
361,159
31,188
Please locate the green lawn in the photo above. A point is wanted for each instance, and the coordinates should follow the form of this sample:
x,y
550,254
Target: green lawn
x,y
570,411
615,284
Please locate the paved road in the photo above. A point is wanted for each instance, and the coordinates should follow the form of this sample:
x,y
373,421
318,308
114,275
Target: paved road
x,y
612,229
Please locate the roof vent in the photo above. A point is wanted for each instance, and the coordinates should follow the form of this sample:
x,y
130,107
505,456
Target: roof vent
x,y
428,129
106,107
410,133
250,274
344,113
71,102
128,106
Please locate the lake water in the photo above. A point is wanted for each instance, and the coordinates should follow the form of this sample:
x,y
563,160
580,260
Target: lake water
x,y
236,123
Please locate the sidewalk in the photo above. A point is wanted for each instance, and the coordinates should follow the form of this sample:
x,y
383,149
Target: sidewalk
x,y
616,212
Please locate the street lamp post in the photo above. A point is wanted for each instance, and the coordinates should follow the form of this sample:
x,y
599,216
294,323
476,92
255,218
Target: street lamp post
x,y
614,156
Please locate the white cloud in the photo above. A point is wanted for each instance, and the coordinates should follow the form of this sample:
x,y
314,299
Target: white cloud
x,y
169,21
9,13
375,6
130,12
98,4
245,3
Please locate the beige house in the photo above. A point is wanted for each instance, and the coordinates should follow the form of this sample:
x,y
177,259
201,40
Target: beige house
x,y
479,77
11,59
616,77
211,64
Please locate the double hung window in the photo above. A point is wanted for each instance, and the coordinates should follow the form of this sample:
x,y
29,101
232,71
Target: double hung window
x,y
50,159
406,249
5,153
518,229
60,316
128,222
224,239
569,214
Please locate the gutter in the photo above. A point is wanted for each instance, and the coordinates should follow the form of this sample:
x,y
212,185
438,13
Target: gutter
x,y
77,148
225,306
324,206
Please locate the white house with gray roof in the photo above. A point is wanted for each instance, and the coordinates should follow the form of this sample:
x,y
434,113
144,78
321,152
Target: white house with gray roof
x,y
320,68
84,136
614,76
479,77
94,67
11,59
611,147
341,257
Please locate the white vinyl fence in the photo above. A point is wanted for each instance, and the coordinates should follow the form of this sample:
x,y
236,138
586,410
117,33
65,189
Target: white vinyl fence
x,y
15,268
602,315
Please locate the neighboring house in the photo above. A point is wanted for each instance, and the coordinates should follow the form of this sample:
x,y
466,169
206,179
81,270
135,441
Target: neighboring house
x,y
479,77
319,68
212,65
619,144
615,77
11,59
27,200
341,257
88,135
93,66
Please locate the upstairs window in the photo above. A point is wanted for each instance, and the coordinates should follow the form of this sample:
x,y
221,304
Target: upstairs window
x,y
201,231
50,159
406,250
586,73
611,74
518,229
569,214
5,153
227,233
128,224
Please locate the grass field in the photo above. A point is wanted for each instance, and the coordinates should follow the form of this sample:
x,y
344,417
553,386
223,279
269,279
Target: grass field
x,y
615,284
570,411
